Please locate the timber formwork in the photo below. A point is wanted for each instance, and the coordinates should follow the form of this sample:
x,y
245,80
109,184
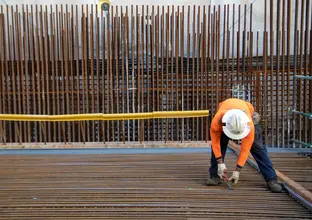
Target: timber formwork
x,y
297,167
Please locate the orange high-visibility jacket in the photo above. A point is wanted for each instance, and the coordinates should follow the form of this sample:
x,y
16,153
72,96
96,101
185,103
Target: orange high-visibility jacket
x,y
216,128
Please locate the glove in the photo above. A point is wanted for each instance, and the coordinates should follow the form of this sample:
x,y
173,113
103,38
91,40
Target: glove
x,y
235,177
221,170
256,118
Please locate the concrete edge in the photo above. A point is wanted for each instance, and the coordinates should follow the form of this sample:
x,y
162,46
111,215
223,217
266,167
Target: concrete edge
x,y
89,145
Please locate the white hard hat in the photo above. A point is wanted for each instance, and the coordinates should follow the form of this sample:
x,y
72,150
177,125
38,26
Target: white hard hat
x,y
235,124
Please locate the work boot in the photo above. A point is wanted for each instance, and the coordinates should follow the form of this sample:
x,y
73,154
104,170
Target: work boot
x,y
213,181
274,186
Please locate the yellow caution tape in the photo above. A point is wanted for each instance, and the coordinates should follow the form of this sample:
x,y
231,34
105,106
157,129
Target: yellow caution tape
x,y
105,117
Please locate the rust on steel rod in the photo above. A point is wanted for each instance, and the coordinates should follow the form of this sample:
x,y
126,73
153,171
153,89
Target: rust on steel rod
x,y
78,60
304,193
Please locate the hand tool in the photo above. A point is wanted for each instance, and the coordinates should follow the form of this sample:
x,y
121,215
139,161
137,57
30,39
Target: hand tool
x,y
226,180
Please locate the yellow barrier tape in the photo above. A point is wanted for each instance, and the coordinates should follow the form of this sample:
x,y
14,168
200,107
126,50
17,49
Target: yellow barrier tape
x,y
104,117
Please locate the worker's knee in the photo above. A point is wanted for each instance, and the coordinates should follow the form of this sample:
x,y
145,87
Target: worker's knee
x,y
258,146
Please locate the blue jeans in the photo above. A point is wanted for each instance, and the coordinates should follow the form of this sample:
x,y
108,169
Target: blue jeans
x,y
258,151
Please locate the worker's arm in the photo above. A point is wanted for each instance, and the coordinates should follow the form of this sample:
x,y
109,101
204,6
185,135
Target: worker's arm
x,y
246,142
245,148
215,133
243,155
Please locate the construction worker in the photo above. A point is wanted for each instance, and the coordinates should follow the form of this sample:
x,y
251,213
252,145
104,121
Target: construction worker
x,y
236,119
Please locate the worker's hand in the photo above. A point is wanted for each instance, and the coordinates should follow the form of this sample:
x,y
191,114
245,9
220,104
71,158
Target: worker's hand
x,y
256,118
235,177
221,170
